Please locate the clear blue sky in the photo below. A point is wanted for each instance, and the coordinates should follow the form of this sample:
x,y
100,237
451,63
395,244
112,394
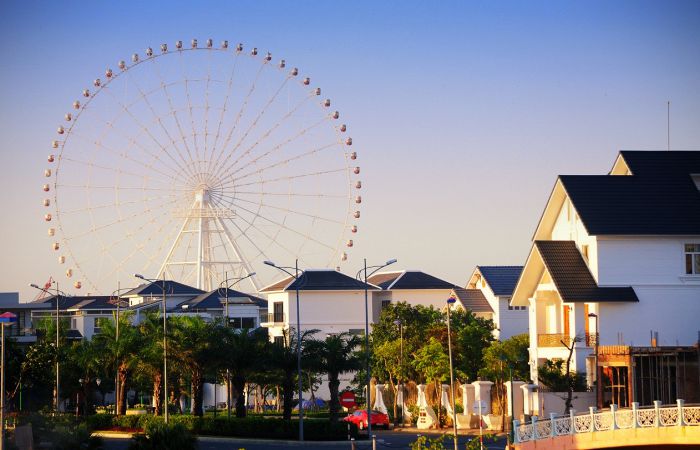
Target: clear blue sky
x,y
463,112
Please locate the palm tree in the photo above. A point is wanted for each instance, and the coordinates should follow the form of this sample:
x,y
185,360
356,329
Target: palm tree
x,y
151,354
242,349
198,346
282,359
335,356
121,354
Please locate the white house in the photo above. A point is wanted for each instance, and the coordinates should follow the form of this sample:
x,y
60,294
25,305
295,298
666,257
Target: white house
x,y
329,301
620,253
496,283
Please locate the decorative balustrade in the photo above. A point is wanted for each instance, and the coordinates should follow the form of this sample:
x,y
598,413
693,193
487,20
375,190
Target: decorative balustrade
x,y
553,340
593,421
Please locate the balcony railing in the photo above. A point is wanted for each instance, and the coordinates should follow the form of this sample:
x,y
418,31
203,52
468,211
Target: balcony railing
x,y
553,340
273,318
591,339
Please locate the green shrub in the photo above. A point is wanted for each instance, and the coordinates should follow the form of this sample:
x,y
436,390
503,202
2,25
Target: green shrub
x,y
159,436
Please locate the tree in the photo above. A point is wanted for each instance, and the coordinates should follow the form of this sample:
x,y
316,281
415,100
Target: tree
x,y
121,353
197,344
282,360
335,356
151,354
242,350
472,336
433,363
502,357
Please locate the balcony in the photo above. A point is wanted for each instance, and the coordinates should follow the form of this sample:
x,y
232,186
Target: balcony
x,y
553,340
272,320
591,339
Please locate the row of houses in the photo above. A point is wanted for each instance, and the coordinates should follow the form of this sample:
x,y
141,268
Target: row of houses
x,y
613,276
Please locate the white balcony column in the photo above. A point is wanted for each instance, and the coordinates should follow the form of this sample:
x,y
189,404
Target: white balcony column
x,y
680,403
592,410
515,410
552,416
657,412
572,416
482,391
613,412
635,407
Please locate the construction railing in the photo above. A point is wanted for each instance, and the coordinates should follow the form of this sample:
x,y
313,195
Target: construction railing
x,y
677,415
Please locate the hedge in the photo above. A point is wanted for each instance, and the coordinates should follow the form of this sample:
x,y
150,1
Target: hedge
x,y
253,427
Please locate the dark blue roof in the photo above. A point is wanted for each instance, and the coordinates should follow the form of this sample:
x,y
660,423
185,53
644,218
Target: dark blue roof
x,y
501,279
659,198
319,280
215,300
409,279
156,289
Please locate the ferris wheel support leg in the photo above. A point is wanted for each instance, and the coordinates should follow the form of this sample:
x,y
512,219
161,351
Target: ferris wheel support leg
x,y
176,242
237,251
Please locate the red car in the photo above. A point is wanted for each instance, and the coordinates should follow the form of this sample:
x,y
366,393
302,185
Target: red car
x,y
359,418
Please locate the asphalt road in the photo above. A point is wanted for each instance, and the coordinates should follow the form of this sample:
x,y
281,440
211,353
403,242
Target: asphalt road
x,y
385,440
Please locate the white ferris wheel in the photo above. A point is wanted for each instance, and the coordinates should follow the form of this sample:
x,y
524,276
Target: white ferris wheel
x,y
199,160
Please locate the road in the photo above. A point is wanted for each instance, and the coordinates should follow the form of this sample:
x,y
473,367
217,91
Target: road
x,y
385,440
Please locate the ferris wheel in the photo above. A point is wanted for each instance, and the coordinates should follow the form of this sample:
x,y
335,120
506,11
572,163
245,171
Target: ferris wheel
x,y
199,160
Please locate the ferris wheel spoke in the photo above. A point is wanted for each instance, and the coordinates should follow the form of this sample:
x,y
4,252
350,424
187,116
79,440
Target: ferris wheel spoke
x,y
206,108
123,154
290,177
226,171
253,125
113,188
116,170
94,228
237,121
223,112
282,225
312,152
144,129
291,194
173,110
115,204
159,120
279,208
189,108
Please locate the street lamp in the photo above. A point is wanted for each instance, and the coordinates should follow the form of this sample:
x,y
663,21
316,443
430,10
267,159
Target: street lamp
x,y
399,324
165,348
451,301
58,297
376,268
5,319
228,372
598,400
296,278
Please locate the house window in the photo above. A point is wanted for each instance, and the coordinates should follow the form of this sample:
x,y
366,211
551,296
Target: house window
x,y
584,252
279,340
692,259
386,303
242,322
99,323
516,308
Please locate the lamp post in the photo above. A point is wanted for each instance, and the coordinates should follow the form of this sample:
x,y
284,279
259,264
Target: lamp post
x,y
165,348
296,278
226,286
398,323
367,353
5,319
102,396
451,301
58,297
598,400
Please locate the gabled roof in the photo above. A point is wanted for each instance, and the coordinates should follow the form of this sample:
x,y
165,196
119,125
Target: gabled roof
x,y
635,205
571,276
501,279
472,300
646,193
215,300
319,280
156,289
408,279
76,302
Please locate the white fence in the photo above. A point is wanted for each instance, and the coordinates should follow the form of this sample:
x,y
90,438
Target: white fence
x,y
592,421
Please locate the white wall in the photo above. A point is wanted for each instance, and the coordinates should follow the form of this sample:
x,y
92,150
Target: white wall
x,y
569,227
669,300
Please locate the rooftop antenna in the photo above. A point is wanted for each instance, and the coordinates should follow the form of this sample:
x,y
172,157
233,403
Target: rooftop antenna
x,y
668,125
